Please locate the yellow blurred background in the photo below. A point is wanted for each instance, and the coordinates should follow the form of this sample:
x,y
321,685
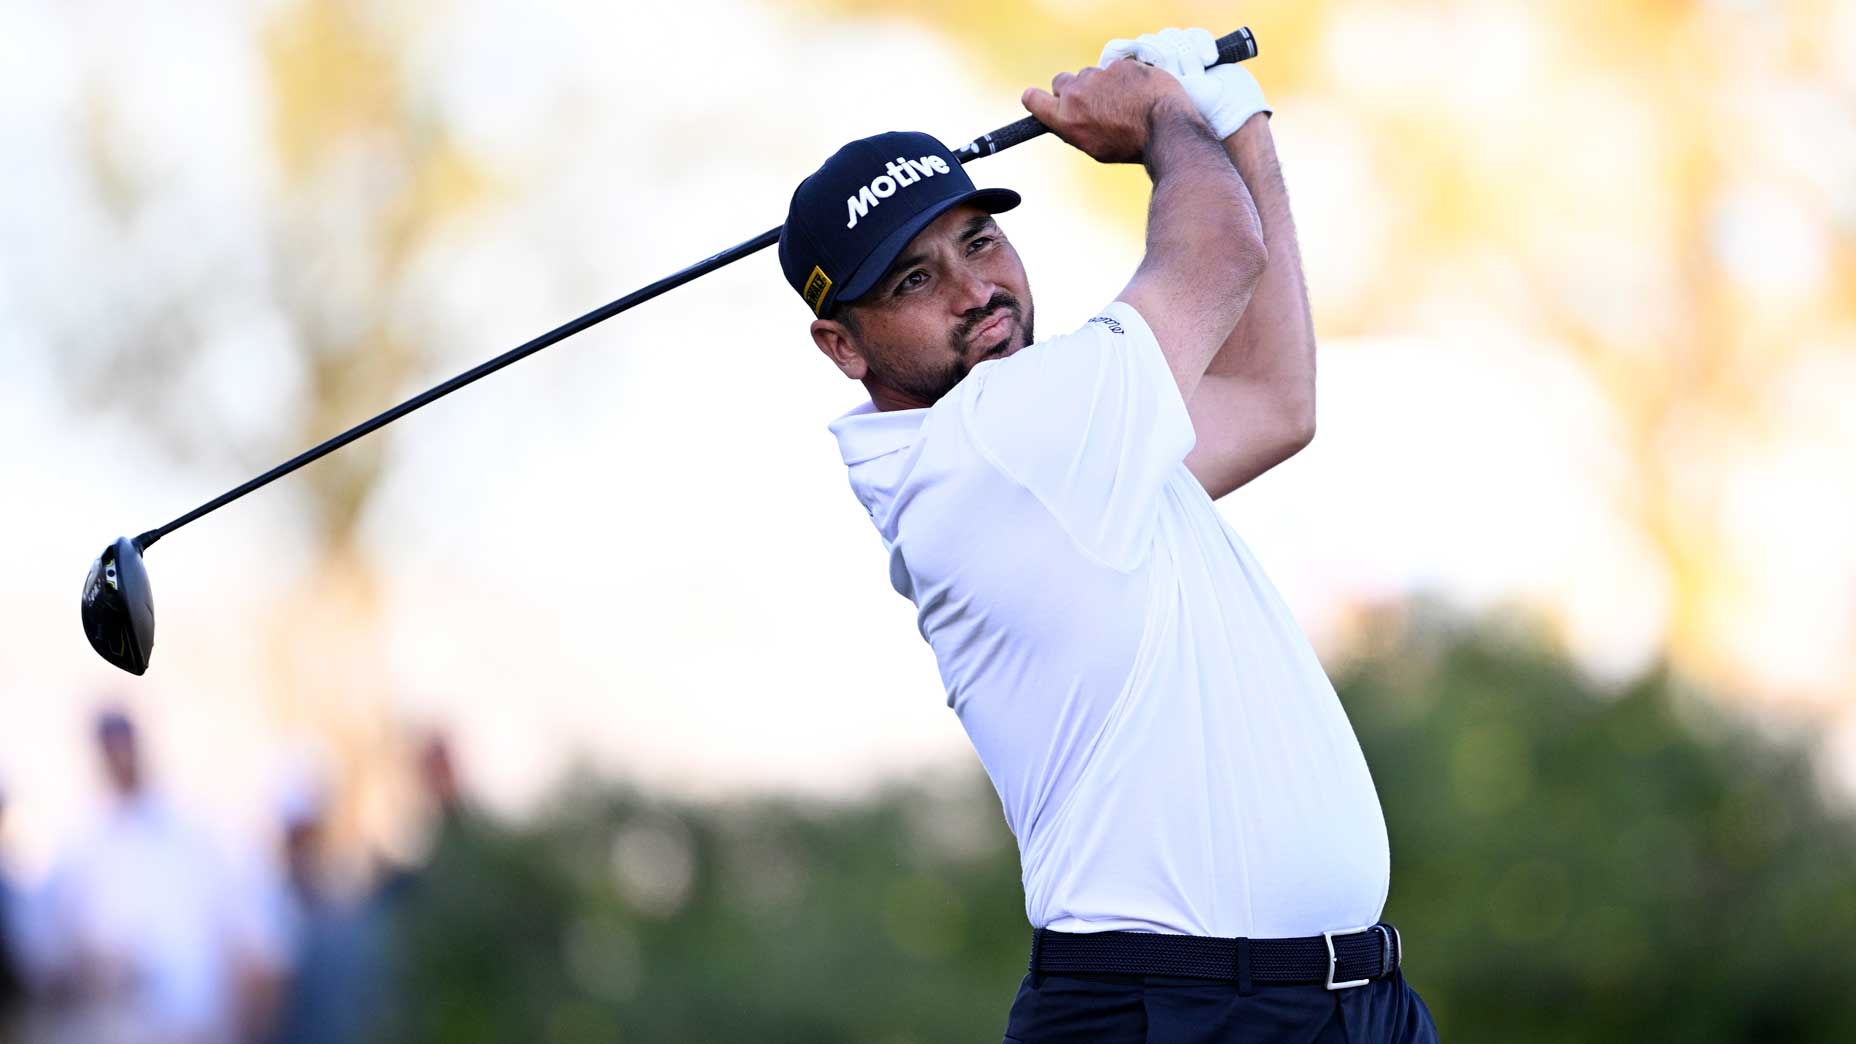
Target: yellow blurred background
x,y
1584,277
1584,273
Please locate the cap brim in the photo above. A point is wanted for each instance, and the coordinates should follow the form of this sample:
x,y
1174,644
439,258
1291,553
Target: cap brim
x,y
992,200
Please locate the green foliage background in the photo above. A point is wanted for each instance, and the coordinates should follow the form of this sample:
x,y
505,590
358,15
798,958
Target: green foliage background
x,y
1568,864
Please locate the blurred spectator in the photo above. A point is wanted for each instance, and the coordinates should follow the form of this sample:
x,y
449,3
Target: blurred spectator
x,y
143,935
11,986
439,776
336,992
476,929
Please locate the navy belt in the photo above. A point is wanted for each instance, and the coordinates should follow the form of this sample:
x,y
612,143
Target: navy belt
x,y
1338,959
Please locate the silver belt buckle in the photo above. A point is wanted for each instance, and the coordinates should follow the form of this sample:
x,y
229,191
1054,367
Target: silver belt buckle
x,y
1334,961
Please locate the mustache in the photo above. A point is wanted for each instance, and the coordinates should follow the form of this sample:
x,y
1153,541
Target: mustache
x,y
979,317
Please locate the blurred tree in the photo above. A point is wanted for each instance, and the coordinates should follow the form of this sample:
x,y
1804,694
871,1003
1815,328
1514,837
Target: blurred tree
x,y
371,176
624,918
353,139
1568,864
365,174
1577,865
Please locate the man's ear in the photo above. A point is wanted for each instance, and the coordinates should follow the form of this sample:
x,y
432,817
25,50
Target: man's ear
x,y
835,341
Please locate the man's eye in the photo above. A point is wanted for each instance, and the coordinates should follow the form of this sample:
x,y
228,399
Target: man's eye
x,y
910,282
978,242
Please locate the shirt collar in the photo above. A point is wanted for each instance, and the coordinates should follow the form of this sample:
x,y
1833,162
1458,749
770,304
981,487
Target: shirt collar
x,y
866,433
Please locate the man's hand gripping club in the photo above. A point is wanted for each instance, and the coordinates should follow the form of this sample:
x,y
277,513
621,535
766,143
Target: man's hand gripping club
x,y
1226,96
1108,113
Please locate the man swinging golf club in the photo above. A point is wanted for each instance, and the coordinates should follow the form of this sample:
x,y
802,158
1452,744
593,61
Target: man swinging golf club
x,y
1203,853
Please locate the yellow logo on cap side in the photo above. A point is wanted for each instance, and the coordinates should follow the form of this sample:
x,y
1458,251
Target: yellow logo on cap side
x,y
818,284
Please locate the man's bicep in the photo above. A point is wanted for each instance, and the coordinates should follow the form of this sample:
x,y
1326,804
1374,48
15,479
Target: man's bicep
x,y
1244,428
1188,331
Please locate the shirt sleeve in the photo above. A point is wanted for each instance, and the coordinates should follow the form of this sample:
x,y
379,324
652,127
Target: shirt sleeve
x,y
1092,424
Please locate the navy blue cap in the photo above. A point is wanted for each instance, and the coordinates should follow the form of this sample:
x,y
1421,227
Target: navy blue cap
x,y
852,216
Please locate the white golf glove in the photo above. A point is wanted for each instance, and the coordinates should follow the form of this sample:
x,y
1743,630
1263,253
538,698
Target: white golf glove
x,y
1226,95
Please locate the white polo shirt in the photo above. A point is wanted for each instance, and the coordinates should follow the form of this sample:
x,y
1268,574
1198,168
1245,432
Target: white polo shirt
x,y
1170,755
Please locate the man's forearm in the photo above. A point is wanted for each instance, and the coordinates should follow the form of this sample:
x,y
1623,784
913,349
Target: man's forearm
x,y
1197,209
1274,340
1205,248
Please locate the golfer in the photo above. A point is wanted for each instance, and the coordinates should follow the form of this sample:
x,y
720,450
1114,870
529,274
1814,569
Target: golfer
x,y
1203,853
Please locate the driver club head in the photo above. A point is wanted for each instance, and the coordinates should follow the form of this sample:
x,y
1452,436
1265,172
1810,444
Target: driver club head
x,y
119,608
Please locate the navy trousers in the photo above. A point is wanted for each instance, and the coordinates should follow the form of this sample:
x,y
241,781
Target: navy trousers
x,y
1133,1009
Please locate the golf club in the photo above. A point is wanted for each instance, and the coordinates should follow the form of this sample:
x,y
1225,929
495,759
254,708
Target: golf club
x,y
118,606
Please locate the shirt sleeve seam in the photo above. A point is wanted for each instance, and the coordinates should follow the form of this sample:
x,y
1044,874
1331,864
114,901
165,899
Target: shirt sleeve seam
x,y
1095,557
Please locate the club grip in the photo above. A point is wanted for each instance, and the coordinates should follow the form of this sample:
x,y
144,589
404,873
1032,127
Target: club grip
x,y
1239,46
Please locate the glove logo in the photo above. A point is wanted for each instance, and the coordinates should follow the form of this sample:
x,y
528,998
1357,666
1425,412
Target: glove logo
x,y
818,284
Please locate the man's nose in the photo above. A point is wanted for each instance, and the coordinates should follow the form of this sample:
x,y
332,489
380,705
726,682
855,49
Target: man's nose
x,y
972,290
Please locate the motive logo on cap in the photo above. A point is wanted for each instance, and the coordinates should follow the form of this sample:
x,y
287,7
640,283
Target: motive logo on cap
x,y
902,173
840,237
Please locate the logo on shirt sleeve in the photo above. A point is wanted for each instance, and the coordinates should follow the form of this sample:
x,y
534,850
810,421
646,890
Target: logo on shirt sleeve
x,y
1109,321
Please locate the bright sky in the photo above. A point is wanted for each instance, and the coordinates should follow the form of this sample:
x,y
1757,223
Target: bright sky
x,y
639,547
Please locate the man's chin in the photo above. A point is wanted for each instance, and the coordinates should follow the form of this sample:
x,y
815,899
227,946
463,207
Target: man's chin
x,y
1006,347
